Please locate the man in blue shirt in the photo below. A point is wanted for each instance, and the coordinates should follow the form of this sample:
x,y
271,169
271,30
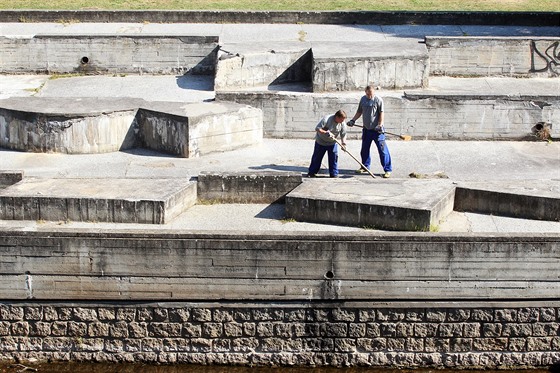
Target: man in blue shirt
x,y
327,130
371,107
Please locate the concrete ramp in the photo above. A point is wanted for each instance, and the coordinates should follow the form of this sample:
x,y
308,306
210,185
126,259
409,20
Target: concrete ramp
x,y
401,205
144,201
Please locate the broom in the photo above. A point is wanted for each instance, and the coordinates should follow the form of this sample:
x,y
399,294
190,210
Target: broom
x,y
402,137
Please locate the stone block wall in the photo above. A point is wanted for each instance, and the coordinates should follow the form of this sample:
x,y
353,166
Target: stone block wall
x,y
390,335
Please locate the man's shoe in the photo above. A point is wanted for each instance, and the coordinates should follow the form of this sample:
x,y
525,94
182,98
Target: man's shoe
x,y
333,176
311,175
386,175
361,170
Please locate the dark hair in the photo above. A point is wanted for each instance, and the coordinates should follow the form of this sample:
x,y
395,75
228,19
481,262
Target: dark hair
x,y
340,114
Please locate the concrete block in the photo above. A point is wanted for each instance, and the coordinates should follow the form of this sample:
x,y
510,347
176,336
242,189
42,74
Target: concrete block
x,y
67,125
395,205
10,177
245,187
539,200
241,66
99,200
196,129
351,68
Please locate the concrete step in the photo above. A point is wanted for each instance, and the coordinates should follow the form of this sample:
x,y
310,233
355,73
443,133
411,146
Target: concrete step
x,y
418,205
144,201
400,205
528,199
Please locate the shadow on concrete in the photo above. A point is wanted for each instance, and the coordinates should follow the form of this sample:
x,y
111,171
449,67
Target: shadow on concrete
x,y
274,211
195,82
277,167
143,152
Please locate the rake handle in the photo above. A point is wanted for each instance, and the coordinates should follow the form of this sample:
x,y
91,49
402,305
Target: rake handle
x,y
356,159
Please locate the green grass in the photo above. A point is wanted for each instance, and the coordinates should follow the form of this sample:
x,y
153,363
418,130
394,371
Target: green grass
x,y
419,5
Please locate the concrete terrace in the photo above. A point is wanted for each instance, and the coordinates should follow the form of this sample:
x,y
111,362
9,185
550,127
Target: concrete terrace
x,y
506,162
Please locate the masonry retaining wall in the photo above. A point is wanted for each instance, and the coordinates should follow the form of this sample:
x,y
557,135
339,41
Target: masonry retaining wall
x,y
398,300
407,335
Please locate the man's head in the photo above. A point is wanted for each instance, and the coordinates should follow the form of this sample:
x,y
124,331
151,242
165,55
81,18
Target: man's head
x,y
369,91
339,116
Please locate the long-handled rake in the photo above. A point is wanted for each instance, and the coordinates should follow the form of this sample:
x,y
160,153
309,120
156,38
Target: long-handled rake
x,y
402,137
356,159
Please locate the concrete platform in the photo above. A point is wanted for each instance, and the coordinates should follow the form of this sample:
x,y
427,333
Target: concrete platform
x,y
529,199
98,125
142,201
401,205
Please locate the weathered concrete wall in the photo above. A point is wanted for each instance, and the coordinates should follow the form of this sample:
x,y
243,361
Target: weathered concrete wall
x,y
294,115
105,265
501,336
314,284
253,69
492,56
73,134
246,187
108,54
393,73
200,129
10,177
294,17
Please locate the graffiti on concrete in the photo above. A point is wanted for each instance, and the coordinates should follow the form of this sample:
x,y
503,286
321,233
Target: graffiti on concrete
x,y
545,58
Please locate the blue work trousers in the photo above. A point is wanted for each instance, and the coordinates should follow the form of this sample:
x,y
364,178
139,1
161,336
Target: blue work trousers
x,y
369,136
317,158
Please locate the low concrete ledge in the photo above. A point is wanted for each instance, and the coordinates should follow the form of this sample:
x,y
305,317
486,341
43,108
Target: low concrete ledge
x,y
310,17
409,205
97,200
8,178
538,200
246,187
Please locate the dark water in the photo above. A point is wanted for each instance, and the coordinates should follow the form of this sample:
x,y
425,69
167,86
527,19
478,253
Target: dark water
x,y
139,368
